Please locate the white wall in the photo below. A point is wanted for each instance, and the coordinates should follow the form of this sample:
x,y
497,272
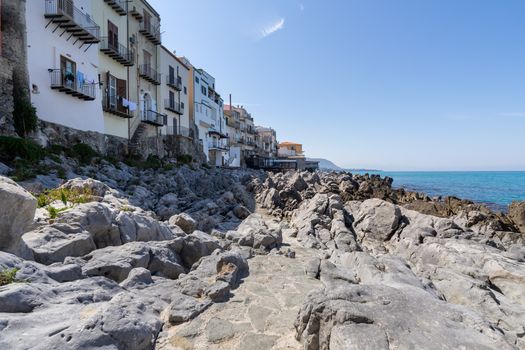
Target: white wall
x,y
44,51
207,112
166,60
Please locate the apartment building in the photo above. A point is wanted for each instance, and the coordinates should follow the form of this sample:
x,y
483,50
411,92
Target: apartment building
x,y
207,112
233,130
266,141
290,149
116,58
63,61
174,94
145,79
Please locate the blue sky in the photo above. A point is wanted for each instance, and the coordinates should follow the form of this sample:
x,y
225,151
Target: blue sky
x,y
388,84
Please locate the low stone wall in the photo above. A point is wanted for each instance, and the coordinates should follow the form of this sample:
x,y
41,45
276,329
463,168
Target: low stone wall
x,y
162,146
179,145
6,97
55,134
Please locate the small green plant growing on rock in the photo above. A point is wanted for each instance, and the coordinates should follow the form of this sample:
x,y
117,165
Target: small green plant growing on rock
x,y
52,211
83,152
127,208
24,115
185,159
8,276
65,195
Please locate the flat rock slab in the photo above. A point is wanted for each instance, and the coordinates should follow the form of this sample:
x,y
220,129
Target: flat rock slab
x,y
261,313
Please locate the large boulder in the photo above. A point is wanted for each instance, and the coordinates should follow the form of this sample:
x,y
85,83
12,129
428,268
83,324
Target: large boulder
x,y
517,215
17,210
198,245
256,232
376,220
185,222
382,317
53,243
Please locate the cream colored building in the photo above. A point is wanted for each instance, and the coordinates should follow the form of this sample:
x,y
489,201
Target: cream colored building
x,y
145,78
174,93
116,59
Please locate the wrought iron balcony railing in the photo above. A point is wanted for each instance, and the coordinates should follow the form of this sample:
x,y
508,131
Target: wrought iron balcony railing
x,y
150,74
174,106
117,51
120,6
150,31
174,82
72,84
153,118
112,103
65,15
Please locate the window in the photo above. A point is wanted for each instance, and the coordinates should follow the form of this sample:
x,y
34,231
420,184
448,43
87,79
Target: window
x,y
112,36
185,91
203,90
112,92
172,99
68,69
172,75
197,80
147,59
147,20
182,105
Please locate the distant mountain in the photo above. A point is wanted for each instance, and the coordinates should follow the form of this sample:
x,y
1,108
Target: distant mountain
x,y
325,164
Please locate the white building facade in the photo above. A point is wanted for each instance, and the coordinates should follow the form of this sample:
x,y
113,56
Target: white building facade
x,y
208,113
174,94
63,60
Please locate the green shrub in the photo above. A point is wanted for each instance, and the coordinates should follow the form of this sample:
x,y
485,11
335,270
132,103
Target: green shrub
x,y
169,167
12,147
84,153
61,173
152,162
65,196
185,159
8,276
24,116
53,212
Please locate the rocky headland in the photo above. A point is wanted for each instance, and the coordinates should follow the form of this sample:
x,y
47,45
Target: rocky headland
x,y
184,257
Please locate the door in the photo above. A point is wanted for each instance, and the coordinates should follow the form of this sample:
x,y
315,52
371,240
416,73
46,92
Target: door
x,y
68,70
112,92
147,62
112,36
171,75
122,94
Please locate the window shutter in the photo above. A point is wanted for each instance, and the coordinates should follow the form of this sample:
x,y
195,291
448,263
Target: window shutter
x,y
121,93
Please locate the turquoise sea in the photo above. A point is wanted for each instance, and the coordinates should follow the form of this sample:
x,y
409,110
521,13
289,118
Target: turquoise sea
x,y
495,188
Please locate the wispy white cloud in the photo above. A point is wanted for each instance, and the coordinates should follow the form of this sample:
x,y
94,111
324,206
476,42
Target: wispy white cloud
x,y
301,7
272,28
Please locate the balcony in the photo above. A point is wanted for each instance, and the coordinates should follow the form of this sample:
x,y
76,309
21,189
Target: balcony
x,y
118,52
66,16
119,6
219,134
175,83
153,118
70,84
149,74
136,13
173,106
178,131
215,144
113,104
150,31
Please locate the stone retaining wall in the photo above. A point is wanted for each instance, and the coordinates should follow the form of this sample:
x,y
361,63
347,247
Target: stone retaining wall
x,y
6,97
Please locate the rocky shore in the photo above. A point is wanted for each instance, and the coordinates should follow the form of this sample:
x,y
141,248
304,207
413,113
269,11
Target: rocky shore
x,y
181,257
